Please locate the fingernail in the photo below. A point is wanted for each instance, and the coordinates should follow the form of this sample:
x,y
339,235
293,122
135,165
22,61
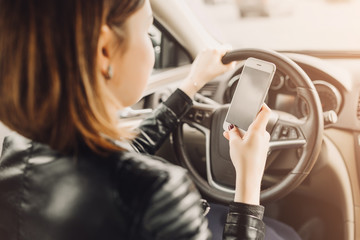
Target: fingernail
x,y
231,126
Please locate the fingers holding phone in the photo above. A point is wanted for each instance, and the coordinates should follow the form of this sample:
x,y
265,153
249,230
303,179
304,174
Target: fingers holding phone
x,y
248,154
253,145
259,124
261,121
247,111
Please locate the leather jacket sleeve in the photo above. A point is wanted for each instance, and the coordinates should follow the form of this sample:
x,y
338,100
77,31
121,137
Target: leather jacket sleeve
x,y
243,221
174,209
155,129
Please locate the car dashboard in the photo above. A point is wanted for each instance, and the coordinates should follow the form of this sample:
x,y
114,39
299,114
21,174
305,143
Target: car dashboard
x,y
334,84
337,81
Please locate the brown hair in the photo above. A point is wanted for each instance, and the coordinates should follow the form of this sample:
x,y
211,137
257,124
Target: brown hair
x,y
49,88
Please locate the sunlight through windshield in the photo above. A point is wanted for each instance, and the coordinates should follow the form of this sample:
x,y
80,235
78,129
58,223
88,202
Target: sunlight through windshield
x,y
316,25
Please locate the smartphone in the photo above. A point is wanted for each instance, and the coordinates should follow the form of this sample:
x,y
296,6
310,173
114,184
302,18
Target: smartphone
x,y
250,93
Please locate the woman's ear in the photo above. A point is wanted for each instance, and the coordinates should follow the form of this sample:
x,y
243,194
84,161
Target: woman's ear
x,y
104,50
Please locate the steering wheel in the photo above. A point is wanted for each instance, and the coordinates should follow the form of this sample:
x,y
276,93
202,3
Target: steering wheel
x,y
286,131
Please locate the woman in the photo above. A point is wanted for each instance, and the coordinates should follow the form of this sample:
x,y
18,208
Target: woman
x,y
66,68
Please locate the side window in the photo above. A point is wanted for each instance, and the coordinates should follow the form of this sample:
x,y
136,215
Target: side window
x,y
168,52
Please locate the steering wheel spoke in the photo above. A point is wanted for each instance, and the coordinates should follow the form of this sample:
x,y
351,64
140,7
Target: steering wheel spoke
x,y
200,115
287,132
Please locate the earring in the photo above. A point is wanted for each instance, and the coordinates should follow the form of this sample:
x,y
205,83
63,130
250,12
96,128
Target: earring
x,y
109,73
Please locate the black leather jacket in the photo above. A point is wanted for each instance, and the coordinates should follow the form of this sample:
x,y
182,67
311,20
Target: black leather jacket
x,y
47,195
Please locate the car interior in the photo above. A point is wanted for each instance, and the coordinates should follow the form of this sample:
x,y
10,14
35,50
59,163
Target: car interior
x,y
311,180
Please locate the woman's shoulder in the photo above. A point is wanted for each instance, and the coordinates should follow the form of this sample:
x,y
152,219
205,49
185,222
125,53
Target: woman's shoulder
x,y
34,158
54,187
124,171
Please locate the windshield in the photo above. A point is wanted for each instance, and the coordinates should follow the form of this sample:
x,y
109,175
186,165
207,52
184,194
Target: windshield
x,y
283,25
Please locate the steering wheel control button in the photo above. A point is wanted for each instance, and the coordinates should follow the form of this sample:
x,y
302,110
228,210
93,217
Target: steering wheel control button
x,y
288,133
199,116
276,134
282,132
293,133
190,116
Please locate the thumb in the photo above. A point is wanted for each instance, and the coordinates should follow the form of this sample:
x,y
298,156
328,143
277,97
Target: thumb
x,y
226,135
234,133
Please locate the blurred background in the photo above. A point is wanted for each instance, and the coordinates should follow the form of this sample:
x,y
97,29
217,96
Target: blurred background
x,y
314,25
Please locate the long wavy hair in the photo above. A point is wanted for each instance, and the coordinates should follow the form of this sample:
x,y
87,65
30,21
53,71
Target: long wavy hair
x,y
50,90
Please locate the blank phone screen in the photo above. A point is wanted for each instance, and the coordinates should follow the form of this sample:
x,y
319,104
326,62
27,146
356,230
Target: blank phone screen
x,y
248,97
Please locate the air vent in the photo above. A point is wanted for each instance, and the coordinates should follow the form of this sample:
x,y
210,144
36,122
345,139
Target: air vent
x,y
209,90
358,109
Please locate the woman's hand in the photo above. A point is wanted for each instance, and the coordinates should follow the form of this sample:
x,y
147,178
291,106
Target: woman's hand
x,y
207,66
248,154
